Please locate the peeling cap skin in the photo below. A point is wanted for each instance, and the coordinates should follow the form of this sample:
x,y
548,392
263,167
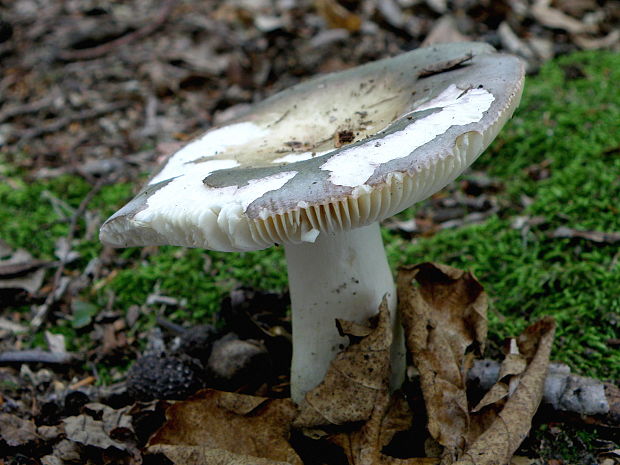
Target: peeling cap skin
x,y
315,168
337,152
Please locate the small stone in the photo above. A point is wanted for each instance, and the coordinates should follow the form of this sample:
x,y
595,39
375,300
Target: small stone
x,y
235,363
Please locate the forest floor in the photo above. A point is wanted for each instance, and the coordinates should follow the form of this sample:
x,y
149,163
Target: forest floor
x,y
94,94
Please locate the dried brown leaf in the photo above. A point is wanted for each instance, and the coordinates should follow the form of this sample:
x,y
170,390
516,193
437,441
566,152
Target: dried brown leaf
x,y
356,378
336,16
512,42
84,429
51,460
203,455
16,431
67,451
500,440
20,264
445,319
517,460
588,43
363,445
49,433
226,428
513,365
21,271
385,460
392,12
100,426
117,423
554,18
444,30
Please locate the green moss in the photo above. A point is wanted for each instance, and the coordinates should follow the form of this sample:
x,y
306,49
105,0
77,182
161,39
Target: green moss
x,y
200,277
35,214
565,443
27,217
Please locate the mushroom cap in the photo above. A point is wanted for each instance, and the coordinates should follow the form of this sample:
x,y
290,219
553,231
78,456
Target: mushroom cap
x,y
336,152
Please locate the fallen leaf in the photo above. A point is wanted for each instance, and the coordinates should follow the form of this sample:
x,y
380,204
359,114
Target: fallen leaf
x,y
113,339
336,16
392,12
363,446
55,342
512,42
226,428
438,6
117,423
444,30
21,271
16,431
84,429
67,451
356,378
608,41
513,365
49,433
19,264
11,326
517,460
444,317
554,18
51,460
201,455
511,425
408,226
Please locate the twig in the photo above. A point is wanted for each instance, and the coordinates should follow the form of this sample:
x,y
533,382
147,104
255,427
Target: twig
x,y
30,107
594,236
83,382
95,52
594,400
67,120
43,310
170,326
36,356
60,207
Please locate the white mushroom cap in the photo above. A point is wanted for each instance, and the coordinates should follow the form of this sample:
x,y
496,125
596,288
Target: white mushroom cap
x,y
337,152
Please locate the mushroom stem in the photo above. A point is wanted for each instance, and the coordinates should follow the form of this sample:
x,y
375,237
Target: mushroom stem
x,y
341,275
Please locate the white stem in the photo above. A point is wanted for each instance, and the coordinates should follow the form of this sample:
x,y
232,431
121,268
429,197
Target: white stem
x,y
343,275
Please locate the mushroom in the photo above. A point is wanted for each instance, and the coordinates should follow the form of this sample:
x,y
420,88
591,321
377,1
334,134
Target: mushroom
x,y
316,168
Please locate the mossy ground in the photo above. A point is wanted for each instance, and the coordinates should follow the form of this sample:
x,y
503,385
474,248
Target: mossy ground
x,y
569,118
